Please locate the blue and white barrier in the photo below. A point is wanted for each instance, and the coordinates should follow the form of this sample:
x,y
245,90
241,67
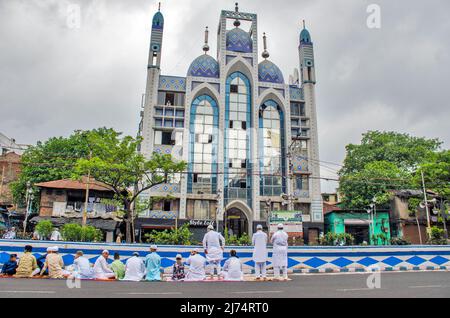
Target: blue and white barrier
x,y
300,259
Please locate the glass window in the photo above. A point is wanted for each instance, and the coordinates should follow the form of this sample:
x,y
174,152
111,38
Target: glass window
x,y
271,149
203,127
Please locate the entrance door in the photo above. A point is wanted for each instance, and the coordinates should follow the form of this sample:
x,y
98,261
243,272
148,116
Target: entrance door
x,y
236,222
359,232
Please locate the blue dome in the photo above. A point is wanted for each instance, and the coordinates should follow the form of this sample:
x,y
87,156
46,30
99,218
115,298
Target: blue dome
x,y
269,72
158,20
305,37
239,41
204,66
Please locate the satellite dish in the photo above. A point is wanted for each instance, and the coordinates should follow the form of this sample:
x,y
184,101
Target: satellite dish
x,y
296,76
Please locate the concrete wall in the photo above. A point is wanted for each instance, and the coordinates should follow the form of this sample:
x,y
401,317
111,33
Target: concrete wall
x,y
300,258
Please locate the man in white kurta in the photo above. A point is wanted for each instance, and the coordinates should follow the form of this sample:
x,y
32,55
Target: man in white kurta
x,y
82,267
259,241
213,244
197,267
101,268
280,252
232,269
134,269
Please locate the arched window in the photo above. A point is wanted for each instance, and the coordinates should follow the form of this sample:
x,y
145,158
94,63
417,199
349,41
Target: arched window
x,y
237,134
203,131
272,152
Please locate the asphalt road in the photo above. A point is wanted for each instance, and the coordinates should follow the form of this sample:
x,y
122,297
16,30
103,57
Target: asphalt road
x,y
396,284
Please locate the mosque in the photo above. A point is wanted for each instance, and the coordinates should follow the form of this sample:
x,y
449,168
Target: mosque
x,y
250,139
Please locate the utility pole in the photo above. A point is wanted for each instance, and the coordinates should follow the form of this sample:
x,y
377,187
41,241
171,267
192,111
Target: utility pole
x,y
86,202
3,178
444,216
426,204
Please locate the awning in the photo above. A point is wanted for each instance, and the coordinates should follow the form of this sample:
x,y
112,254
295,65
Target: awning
x,y
356,222
102,224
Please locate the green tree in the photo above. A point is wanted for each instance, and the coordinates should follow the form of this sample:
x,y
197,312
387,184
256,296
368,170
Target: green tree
x,y
383,161
44,228
375,180
436,171
114,160
51,160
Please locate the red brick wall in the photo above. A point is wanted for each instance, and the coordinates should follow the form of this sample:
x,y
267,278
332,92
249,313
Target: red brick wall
x,y
10,170
47,199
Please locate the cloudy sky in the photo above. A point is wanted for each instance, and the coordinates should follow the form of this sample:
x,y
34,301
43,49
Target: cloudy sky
x,y
57,76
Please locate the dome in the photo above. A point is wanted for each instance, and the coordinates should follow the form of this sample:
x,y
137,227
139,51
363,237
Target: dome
x,y
269,72
158,20
239,41
305,37
204,66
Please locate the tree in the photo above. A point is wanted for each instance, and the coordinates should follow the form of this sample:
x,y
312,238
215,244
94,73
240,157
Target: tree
x,y
383,161
403,150
51,160
436,170
375,180
115,161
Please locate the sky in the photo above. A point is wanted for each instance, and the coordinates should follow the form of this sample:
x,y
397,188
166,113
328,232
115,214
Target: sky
x,y
59,74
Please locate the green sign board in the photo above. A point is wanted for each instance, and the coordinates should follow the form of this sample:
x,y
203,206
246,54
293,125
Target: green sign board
x,y
285,217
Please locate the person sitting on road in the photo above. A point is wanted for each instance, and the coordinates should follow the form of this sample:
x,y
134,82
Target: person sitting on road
x,y
178,269
82,267
134,268
118,267
9,268
232,269
55,264
101,269
153,265
197,267
27,264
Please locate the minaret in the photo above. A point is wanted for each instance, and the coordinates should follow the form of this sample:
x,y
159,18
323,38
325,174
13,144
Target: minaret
x,y
156,39
308,78
153,73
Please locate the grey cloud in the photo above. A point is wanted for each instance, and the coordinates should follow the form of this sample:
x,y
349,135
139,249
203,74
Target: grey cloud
x,y
54,79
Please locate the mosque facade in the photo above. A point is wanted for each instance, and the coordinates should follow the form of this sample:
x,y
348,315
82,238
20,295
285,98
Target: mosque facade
x,y
249,137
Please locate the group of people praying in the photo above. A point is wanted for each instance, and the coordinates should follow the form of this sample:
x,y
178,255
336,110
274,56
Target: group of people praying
x,y
195,268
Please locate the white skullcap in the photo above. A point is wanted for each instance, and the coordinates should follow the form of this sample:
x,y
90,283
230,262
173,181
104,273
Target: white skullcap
x,y
49,249
55,248
153,247
178,256
105,252
259,227
210,227
280,226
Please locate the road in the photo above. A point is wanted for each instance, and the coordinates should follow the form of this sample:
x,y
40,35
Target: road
x,y
395,284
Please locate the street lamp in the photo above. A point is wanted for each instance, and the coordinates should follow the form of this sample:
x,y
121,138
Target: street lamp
x,y
29,197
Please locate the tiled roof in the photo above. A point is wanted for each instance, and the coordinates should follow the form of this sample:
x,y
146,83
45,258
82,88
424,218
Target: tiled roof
x,y
75,184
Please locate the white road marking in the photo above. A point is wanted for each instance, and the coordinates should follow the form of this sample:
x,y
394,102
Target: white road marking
x,y
170,293
26,292
429,286
354,289
258,292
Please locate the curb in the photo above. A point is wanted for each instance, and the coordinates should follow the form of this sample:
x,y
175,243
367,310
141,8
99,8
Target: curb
x,y
330,270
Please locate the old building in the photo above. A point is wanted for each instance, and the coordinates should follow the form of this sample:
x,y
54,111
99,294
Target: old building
x,y
10,168
63,201
248,136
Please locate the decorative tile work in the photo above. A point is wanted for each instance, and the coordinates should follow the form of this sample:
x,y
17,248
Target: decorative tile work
x,y
239,41
204,66
296,93
300,164
166,215
269,72
172,83
166,188
304,259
